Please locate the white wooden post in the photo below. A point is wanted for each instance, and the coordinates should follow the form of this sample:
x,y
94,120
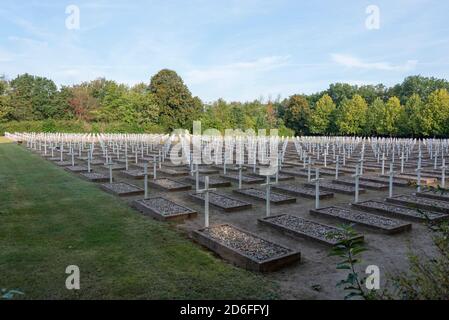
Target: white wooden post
x,y
206,191
443,173
391,177
317,188
145,177
357,177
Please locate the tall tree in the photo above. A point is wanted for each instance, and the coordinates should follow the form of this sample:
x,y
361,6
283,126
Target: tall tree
x,y
352,116
392,114
438,105
375,118
178,108
33,98
297,114
322,115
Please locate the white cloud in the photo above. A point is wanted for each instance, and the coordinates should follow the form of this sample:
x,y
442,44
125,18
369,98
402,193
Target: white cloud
x,y
354,62
238,69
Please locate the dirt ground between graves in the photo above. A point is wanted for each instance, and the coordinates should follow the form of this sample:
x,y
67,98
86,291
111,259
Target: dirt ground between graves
x,y
315,277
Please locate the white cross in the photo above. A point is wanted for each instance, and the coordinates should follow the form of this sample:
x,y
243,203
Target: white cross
x,y
197,181
357,177
317,187
443,173
383,163
145,176
391,176
206,191
268,185
337,165
154,168
418,173
110,164
402,162
240,176
309,168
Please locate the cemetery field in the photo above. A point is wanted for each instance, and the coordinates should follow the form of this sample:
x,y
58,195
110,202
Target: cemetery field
x,y
50,219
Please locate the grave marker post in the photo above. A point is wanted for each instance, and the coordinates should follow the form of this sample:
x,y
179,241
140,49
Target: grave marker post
x,y
357,178
206,191
390,181
443,173
145,175
268,185
317,187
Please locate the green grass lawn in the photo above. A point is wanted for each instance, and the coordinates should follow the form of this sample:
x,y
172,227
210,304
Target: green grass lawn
x,y
50,219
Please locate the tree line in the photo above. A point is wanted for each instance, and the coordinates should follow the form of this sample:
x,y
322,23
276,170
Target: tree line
x,y
419,106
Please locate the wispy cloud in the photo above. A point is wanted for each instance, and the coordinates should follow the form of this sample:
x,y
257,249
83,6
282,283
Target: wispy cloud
x,y
354,62
237,69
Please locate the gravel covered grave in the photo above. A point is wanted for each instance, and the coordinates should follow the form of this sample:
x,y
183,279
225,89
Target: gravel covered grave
x,y
245,178
77,168
223,201
275,198
135,173
438,195
421,202
297,190
170,185
115,166
248,244
95,177
213,181
388,208
365,184
122,189
163,209
335,187
301,227
396,181
63,163
363,218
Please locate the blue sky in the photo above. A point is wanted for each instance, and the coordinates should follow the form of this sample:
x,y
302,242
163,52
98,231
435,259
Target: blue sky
x,y
233,49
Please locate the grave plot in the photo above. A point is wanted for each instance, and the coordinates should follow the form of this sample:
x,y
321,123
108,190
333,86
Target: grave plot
x,y
122,189
222,201
301,191
85,158
95,177
163,209
172,165
96,162
421,203
258,194
281,176
63,163
413,179
433,194
384,224
245,249
115,166
207,171
364,184
303,228
229,168
213,182
337,188
169,185
396,181
54,159
398,211
296,172
174,172
245,178
135,173
77,169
